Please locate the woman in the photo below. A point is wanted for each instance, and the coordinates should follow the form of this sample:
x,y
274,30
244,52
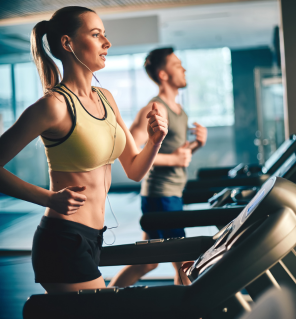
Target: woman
x,y
83,133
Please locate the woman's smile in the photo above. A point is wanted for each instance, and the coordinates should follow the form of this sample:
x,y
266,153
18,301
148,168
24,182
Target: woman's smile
x,y
103,56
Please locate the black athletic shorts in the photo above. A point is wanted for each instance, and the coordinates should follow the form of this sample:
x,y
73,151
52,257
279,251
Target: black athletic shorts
x,y
66,252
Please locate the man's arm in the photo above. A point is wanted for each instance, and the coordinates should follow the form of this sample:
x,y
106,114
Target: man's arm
x,y
201,135
180,157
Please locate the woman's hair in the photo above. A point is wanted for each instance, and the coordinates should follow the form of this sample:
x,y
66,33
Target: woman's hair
x,y
156,61
65,21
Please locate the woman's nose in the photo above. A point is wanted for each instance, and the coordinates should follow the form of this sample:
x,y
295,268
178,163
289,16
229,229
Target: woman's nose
x,y
107,44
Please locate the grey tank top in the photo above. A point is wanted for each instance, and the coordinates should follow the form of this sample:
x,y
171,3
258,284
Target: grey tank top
x,y
168,180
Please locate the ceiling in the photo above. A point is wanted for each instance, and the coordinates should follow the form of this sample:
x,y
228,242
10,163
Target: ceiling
x,y
30,8
236,25
182,24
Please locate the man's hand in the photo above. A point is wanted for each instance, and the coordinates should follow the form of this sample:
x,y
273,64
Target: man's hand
x,y
182,155
201,134
157,127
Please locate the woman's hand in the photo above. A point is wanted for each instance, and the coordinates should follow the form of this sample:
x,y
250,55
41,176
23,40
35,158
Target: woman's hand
x,y
157,127
68,200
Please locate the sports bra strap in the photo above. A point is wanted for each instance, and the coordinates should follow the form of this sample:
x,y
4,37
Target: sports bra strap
x,y
72,110
69,100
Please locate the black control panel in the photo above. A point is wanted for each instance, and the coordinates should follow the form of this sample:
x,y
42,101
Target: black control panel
x,y
227,236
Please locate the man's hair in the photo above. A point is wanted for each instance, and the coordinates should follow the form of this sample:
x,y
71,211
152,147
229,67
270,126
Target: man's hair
x,y
156,61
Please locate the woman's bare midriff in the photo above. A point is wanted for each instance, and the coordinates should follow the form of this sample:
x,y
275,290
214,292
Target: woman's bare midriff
x,y
93,211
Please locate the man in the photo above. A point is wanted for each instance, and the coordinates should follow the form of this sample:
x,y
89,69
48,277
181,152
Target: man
x,y
162,188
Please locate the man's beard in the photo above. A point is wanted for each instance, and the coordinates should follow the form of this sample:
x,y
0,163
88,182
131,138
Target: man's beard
x,y
183,86
178,86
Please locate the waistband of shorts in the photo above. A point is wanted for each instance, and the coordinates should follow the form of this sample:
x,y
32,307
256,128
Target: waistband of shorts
x,y
58,224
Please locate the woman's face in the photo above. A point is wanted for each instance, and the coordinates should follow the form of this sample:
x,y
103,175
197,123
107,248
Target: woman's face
x,y
90,43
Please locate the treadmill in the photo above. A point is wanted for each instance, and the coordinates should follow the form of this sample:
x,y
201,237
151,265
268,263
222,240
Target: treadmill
x,y
225,206
199,190
254,252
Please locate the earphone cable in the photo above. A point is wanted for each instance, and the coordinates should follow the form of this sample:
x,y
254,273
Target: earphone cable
x,y
115,127
83,64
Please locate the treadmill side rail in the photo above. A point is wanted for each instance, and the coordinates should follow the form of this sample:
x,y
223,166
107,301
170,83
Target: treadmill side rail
x,y
167,251
190,218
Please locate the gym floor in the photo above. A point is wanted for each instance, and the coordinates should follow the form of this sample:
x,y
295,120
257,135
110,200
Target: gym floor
x,y
18,221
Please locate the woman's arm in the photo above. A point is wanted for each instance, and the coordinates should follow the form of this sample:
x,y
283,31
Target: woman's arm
x,y
46,114
137,163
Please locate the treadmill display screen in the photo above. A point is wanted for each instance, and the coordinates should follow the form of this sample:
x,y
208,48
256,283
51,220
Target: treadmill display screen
x,y
276,155
257,199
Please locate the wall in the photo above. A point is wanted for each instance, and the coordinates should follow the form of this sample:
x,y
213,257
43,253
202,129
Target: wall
x,y
243,64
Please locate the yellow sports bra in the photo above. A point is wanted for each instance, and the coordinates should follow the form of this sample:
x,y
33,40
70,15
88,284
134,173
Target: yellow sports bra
x,y
91,142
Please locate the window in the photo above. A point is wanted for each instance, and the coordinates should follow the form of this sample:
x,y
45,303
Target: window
x,y
207,99
30,164
27,85
6,109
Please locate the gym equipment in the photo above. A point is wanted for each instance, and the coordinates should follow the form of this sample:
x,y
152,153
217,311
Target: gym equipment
x,y
199,190
254,251
225,206
271,165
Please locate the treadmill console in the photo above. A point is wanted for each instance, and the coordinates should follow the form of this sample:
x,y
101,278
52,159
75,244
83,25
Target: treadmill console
x,y
250,208
226,237
278,154
242,195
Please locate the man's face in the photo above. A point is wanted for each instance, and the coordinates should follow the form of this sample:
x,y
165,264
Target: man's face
x,y
175,71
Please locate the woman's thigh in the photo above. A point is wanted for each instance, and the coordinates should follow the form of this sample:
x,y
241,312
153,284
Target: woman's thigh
x,y
64,287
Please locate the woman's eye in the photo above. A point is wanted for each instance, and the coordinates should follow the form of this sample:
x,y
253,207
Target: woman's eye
x,y
96,35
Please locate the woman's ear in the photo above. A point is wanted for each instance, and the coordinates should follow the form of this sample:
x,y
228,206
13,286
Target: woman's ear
x,y
66,41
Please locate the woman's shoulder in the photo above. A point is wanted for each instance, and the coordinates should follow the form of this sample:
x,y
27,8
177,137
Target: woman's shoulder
x,y
52,106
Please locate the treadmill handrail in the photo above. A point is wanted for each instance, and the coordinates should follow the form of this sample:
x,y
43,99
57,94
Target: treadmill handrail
x,y
272,165
189,218
172,250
